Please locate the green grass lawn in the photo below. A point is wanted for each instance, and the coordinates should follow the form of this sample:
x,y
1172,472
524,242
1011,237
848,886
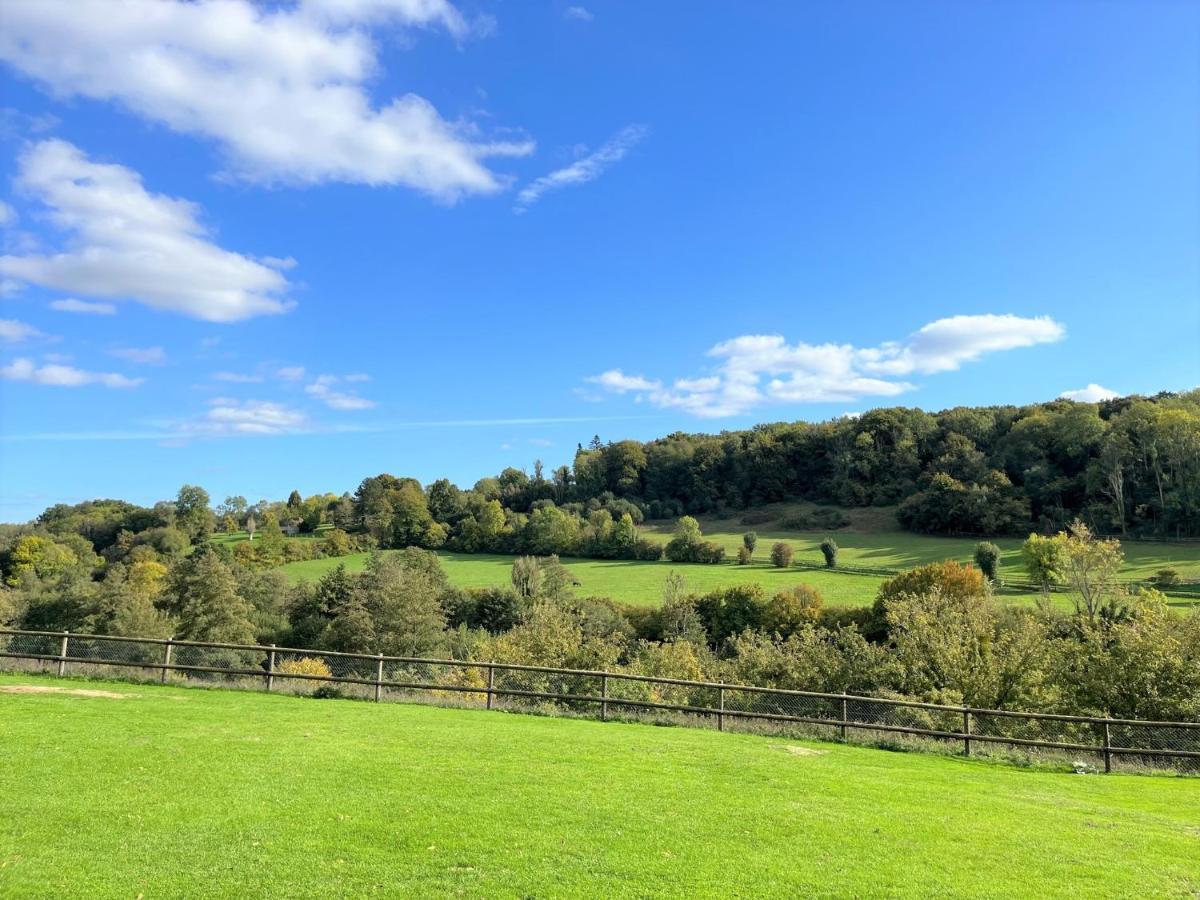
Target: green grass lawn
x,y
625,580
873,539
176,792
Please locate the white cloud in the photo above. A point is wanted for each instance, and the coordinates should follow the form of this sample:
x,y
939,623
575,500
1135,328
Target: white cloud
x,y
282,89
290,373
1093,393
8,215
755,370
582,170
130,244
54,375
246,417
324,390
83,307
145,356
13,332
619,383
237,378
578,13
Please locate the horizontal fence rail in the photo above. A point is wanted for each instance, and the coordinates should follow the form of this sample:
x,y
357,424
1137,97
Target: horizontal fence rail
x,y
1148,744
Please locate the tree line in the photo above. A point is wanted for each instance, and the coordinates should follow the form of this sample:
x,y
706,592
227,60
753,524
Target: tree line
x,y
934,633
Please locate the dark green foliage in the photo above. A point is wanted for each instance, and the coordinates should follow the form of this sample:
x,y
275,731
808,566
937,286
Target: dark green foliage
x,y
820,519
829,550
987,557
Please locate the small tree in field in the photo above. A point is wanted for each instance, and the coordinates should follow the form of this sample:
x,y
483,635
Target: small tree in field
x,y
744,556
987,557
526,576
781,555
829,550
750,541
251,526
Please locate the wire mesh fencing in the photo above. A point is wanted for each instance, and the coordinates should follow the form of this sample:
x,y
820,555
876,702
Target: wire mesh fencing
x,y
1089,742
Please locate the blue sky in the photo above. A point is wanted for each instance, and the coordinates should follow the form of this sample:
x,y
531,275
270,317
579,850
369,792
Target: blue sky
x,y
291,245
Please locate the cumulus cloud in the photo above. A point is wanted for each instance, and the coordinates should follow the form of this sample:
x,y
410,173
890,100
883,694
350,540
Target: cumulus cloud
x,y
1093,393
282,89
754,370
54,375
324,389
227,416
13,332
589,168
144,356
127,243
84,307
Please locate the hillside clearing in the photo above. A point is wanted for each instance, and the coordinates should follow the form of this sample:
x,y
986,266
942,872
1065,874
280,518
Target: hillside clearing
x,y
300,797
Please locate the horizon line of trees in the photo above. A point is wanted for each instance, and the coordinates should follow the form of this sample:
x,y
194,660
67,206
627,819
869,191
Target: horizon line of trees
x,y
935,633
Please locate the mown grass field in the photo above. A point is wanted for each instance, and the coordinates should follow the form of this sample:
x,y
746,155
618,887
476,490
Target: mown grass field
x,y
872,540
177,792
625,580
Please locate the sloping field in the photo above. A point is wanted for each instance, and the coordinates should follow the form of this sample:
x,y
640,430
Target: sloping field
x,y
628,581
173,792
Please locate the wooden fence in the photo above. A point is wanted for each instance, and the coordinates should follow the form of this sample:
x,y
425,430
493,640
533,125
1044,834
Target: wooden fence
x,y
1145,744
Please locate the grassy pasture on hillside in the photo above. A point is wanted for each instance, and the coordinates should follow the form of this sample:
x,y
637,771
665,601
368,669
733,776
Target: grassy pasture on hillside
x,y
871,541
172,792
625,580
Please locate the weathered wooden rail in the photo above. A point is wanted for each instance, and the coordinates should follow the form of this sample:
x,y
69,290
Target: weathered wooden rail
x,y
845,716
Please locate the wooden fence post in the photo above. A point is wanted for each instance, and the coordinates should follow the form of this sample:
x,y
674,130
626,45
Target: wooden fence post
x,y
379,679
845,715
1107,747
721,709
966,732
604,697
166,666
491,684
62,654
271,668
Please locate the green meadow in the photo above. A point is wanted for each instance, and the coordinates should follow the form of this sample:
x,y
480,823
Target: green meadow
x,y
872,540
184,792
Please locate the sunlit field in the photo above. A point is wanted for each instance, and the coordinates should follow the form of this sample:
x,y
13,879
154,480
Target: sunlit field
x,y
176,792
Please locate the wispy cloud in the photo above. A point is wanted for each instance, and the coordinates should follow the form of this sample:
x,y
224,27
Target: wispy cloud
x,y
55,375
589,168
578,14
143,356
14,332
324,388
765,369
245,417
84,307
237,378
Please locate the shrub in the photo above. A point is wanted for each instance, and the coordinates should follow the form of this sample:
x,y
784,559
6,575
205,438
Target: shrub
x,y
745,556
987,557
829,550
750,541
791,609
757,517
645,549
688,545
305,665
1166,578
781,555
823,518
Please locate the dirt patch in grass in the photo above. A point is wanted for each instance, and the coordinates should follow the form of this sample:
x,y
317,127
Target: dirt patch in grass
x,y
46,689
799,751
